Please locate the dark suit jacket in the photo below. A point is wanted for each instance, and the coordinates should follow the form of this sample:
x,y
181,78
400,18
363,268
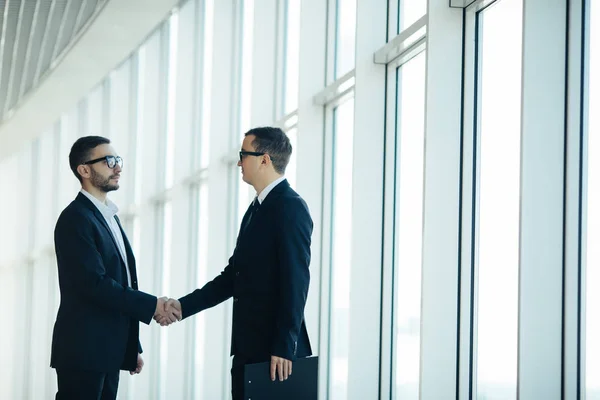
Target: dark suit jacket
x,y
97,326
268,278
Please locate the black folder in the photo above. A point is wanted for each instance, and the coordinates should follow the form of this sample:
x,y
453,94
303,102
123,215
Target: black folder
x,y
301,385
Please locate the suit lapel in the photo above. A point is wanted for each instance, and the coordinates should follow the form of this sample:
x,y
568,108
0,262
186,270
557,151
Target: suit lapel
x,y
130,256
262,208
100,218
243,227
109,231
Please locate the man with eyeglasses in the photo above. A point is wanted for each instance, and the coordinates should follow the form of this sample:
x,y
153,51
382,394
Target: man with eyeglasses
x,y
267,275
96,332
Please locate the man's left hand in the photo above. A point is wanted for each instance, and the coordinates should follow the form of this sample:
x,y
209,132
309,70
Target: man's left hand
x,y
140,365
282,366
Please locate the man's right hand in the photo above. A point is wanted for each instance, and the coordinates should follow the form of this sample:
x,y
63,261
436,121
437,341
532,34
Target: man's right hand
x,y
165,313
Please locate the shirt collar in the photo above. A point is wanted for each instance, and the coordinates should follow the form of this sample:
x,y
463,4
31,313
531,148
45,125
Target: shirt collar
x,y
263,195
108,210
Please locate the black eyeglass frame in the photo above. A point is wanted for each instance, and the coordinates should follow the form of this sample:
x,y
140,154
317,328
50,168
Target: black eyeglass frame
x,y
114,160
244,153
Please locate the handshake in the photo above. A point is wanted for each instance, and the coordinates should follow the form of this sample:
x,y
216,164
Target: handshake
x,y
167,311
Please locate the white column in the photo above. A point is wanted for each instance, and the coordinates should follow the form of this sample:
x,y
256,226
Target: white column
x,y
313,41
367,200
542,186
149,159
52,309
42,324
180,354
217,379
573,341
43,217
16,359
7,333
440,273
22,271
264,71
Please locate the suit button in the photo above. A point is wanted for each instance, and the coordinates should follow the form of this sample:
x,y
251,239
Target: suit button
x,y
235,299
237,273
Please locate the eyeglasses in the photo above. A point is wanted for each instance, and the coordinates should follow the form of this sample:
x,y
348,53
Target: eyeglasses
x,y
250,153
111,161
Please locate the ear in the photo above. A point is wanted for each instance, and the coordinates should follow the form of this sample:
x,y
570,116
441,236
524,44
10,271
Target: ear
x,y
266,159
84,171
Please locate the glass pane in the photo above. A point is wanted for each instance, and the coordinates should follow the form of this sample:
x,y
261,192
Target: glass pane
x,y
345,46
206,82
165,285
409,11
246,64
292,52
135,235
592,282
171,93
340,255
290,171
184,136
121,114
201,277
245,191
498,216
139,115
410,139
9,238
95,112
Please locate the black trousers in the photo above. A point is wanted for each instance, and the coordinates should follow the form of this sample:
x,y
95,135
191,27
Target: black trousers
x,y
237,373
86,385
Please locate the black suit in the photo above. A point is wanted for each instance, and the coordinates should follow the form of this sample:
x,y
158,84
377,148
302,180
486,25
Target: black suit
x,y
96,330
268,278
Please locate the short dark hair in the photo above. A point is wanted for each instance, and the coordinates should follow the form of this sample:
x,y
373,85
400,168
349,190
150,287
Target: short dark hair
x,y
81,149
274,142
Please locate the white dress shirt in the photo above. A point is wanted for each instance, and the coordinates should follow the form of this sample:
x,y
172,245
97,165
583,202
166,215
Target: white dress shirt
x,y
263,195
109,211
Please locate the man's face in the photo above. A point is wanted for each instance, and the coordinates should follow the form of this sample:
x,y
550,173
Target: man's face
x,y
249,164
101,176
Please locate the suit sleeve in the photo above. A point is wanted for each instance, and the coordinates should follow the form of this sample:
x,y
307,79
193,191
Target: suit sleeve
x,y
214,292
83,270
295,230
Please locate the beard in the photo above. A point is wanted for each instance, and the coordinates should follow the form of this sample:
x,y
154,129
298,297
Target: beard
x,y
103,183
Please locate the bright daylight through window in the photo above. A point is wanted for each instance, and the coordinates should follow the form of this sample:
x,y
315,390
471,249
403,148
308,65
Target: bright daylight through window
x,y
497,219
592,255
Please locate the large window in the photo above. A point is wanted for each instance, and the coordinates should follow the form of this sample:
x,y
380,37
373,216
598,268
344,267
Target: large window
x,y
246,192
341,233
497,210
410,146
409,11
140,97
166,227
592,254
407,125
345,45
171,101
96,117
292,52
122,115
206,84
201,279
290,171
247,41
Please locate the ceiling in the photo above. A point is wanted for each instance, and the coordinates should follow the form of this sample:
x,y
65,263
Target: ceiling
x,y
34,35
